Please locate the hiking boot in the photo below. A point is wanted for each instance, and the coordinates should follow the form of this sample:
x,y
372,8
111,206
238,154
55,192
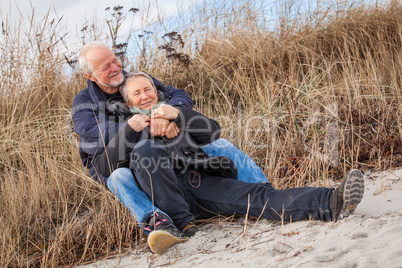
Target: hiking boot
x,y
163,234
344,199
189,230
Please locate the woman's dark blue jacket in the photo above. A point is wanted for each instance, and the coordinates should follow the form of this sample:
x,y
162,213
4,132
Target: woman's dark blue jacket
x,y
184,150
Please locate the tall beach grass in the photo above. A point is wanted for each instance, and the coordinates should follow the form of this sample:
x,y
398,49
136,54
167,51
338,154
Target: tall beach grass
x,y
308,97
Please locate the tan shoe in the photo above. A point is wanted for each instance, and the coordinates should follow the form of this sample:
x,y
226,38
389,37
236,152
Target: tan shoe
x,y
161,240
163,233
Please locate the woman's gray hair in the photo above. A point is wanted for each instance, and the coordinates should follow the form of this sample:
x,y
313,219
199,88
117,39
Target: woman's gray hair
x,y
85,66
130,76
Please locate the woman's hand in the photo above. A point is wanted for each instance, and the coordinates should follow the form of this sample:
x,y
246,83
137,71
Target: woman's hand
x,y
165,111
138,122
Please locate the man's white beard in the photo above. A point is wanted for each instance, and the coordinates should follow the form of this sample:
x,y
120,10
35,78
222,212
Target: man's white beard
x,y
112,84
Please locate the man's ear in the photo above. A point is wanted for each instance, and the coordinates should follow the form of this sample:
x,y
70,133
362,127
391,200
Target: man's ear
x,y
90,77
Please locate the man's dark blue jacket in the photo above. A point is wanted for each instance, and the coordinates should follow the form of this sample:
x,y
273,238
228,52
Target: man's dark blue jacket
x,y
92,124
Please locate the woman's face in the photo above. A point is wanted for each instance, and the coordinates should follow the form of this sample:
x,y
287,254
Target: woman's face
x,y
141,94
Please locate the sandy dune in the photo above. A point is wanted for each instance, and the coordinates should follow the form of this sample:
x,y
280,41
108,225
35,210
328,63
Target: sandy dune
x,y
371,237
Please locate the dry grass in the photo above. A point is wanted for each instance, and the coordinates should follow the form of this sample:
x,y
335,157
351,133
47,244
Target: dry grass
x,y
308,101
282,95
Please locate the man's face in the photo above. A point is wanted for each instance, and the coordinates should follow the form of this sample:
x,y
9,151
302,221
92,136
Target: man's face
x,y
107,71
141,94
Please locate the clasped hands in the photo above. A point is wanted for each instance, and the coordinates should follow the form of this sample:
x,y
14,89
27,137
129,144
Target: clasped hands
x,y
159,123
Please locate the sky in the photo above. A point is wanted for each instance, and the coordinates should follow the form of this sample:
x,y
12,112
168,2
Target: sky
x,y
76,12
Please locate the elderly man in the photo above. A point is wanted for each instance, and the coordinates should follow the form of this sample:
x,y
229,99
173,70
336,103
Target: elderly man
x,y
95,127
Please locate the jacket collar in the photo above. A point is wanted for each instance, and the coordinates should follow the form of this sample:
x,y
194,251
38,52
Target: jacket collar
x,y
96,94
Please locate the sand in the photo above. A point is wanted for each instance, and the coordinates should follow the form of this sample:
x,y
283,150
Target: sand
x,y
371,237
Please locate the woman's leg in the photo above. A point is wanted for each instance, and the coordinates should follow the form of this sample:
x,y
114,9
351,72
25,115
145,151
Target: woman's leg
x,y
228,196
156,177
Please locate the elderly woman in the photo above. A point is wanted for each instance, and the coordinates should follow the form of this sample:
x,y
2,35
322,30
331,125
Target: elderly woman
x,y
183,181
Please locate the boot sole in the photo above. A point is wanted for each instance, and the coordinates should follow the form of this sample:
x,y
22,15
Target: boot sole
x,y
159,241
353,193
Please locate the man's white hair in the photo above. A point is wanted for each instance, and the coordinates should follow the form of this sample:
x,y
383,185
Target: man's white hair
x,y
85,66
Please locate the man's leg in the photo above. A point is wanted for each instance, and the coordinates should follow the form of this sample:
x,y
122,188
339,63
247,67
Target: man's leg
x,y
247,169
122,184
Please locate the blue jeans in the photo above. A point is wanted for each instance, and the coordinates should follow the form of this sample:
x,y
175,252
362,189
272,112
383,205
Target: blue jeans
x,y
247,169
184,194
122,183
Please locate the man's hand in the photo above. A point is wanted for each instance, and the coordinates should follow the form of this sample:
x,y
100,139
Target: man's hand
x,y
163,127
172,131
158,126
138,122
